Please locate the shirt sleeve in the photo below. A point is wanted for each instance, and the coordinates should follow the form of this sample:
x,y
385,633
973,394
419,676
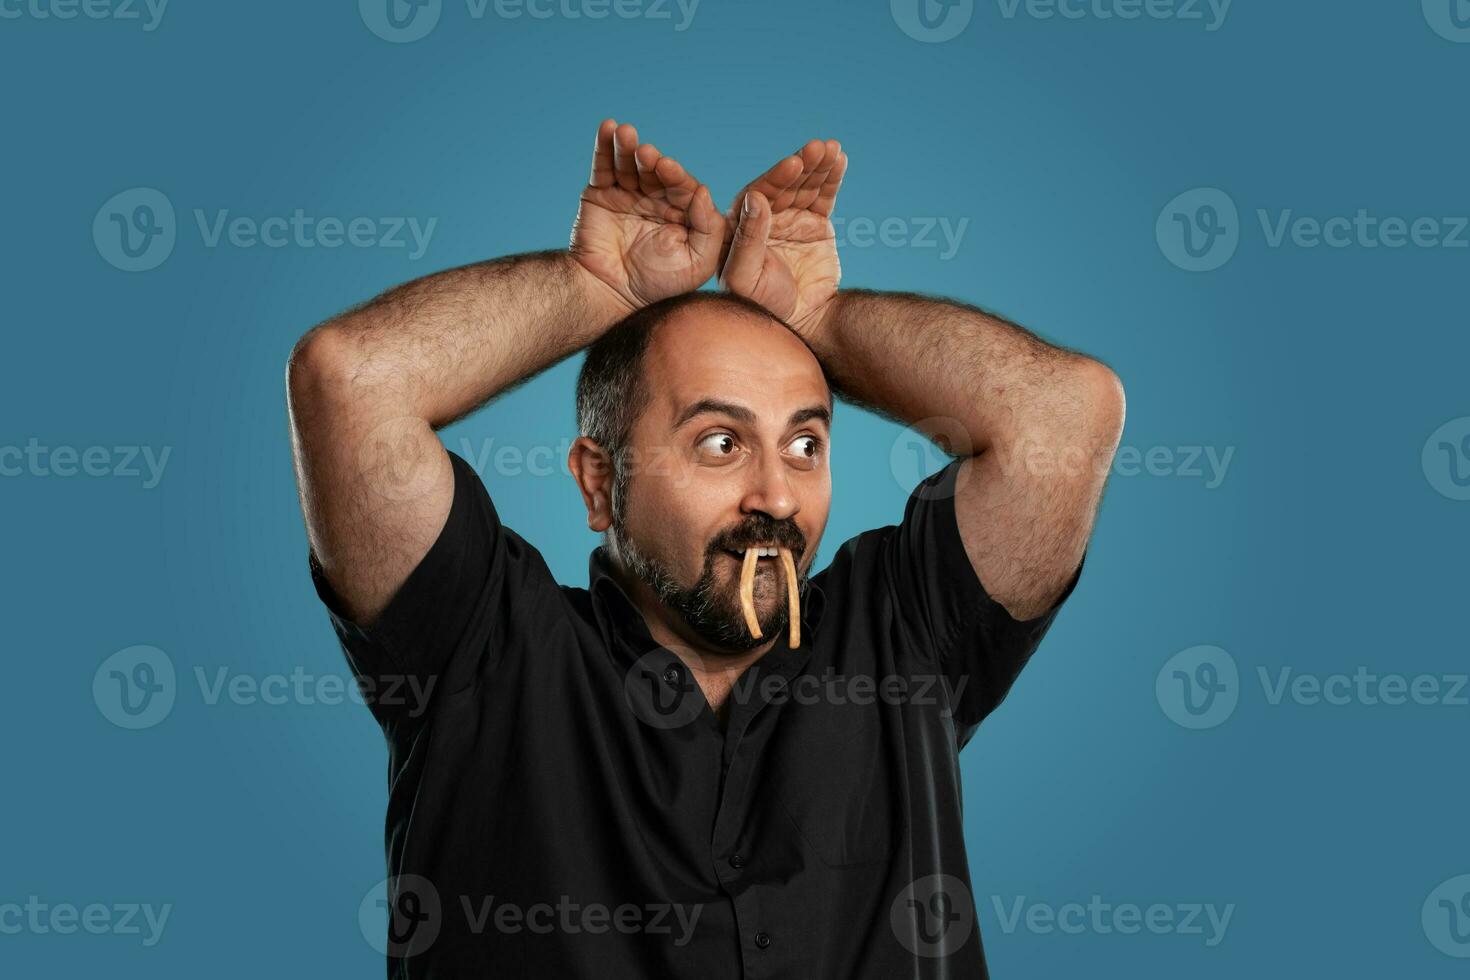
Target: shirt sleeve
x,y
944,614
450,621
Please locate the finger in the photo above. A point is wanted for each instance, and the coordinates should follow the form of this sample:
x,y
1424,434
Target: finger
x,y
811,156
706,225
646,158
679,187
811,184
827,197
625,147
782,174
748,248
602,155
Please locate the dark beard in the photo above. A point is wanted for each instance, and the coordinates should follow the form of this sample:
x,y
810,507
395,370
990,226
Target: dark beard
x,y
713,613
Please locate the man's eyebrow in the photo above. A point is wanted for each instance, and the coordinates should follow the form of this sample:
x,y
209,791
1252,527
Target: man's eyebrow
x,y
821,413
742,414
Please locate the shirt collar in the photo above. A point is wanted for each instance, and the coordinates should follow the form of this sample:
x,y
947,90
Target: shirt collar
x,y
624,627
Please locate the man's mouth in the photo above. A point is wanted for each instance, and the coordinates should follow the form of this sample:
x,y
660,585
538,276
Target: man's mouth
x,y
751,561
763,553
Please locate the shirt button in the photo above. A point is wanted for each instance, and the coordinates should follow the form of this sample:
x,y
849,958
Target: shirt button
x,y
762,940
671,675
737,861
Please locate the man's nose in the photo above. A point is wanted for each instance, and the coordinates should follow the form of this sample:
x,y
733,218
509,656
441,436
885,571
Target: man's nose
x,y
769,490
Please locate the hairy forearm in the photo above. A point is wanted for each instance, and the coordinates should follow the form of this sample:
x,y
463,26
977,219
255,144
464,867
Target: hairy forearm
x,y
968,379
367,389
440,346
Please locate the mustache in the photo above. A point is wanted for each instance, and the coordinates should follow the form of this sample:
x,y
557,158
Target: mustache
x,y
763,530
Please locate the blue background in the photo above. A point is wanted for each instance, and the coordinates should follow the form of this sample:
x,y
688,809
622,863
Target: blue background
x,y
1326,546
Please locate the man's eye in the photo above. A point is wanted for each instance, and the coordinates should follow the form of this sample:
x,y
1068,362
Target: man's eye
x,y
718,443
807,447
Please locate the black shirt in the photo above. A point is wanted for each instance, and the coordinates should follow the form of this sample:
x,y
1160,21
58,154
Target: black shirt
x,y
563,803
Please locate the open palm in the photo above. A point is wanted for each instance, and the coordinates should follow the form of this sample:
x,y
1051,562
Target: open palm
x,y
645,226
782,251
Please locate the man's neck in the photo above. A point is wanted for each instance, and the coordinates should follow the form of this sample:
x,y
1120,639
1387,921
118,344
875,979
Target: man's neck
x,y
714,669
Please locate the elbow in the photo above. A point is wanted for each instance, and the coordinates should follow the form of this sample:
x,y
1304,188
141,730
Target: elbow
x,y
1104,405
321,362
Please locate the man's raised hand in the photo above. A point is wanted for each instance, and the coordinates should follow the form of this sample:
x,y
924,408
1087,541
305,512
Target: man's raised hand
x,y
783,249
645,227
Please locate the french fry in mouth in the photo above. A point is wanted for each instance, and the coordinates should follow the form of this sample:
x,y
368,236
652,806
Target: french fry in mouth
x,y
793,600
793,595
747,592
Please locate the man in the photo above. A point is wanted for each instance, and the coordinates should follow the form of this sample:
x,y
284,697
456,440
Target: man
x,y
626,780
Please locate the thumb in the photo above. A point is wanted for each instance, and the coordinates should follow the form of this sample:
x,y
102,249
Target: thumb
x,y
748,249
706,225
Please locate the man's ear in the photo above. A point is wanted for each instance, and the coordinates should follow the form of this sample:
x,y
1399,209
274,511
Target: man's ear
x,y
591,467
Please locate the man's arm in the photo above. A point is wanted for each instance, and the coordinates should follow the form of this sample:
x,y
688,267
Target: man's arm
x,y
367,389
1039,424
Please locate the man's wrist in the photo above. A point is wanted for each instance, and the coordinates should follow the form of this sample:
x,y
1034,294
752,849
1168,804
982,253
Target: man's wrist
x,y
820,323
606,304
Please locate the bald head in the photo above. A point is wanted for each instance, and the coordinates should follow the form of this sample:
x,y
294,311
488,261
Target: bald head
x,y
706,329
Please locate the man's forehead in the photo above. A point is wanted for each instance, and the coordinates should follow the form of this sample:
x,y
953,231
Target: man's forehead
x,y
735,357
